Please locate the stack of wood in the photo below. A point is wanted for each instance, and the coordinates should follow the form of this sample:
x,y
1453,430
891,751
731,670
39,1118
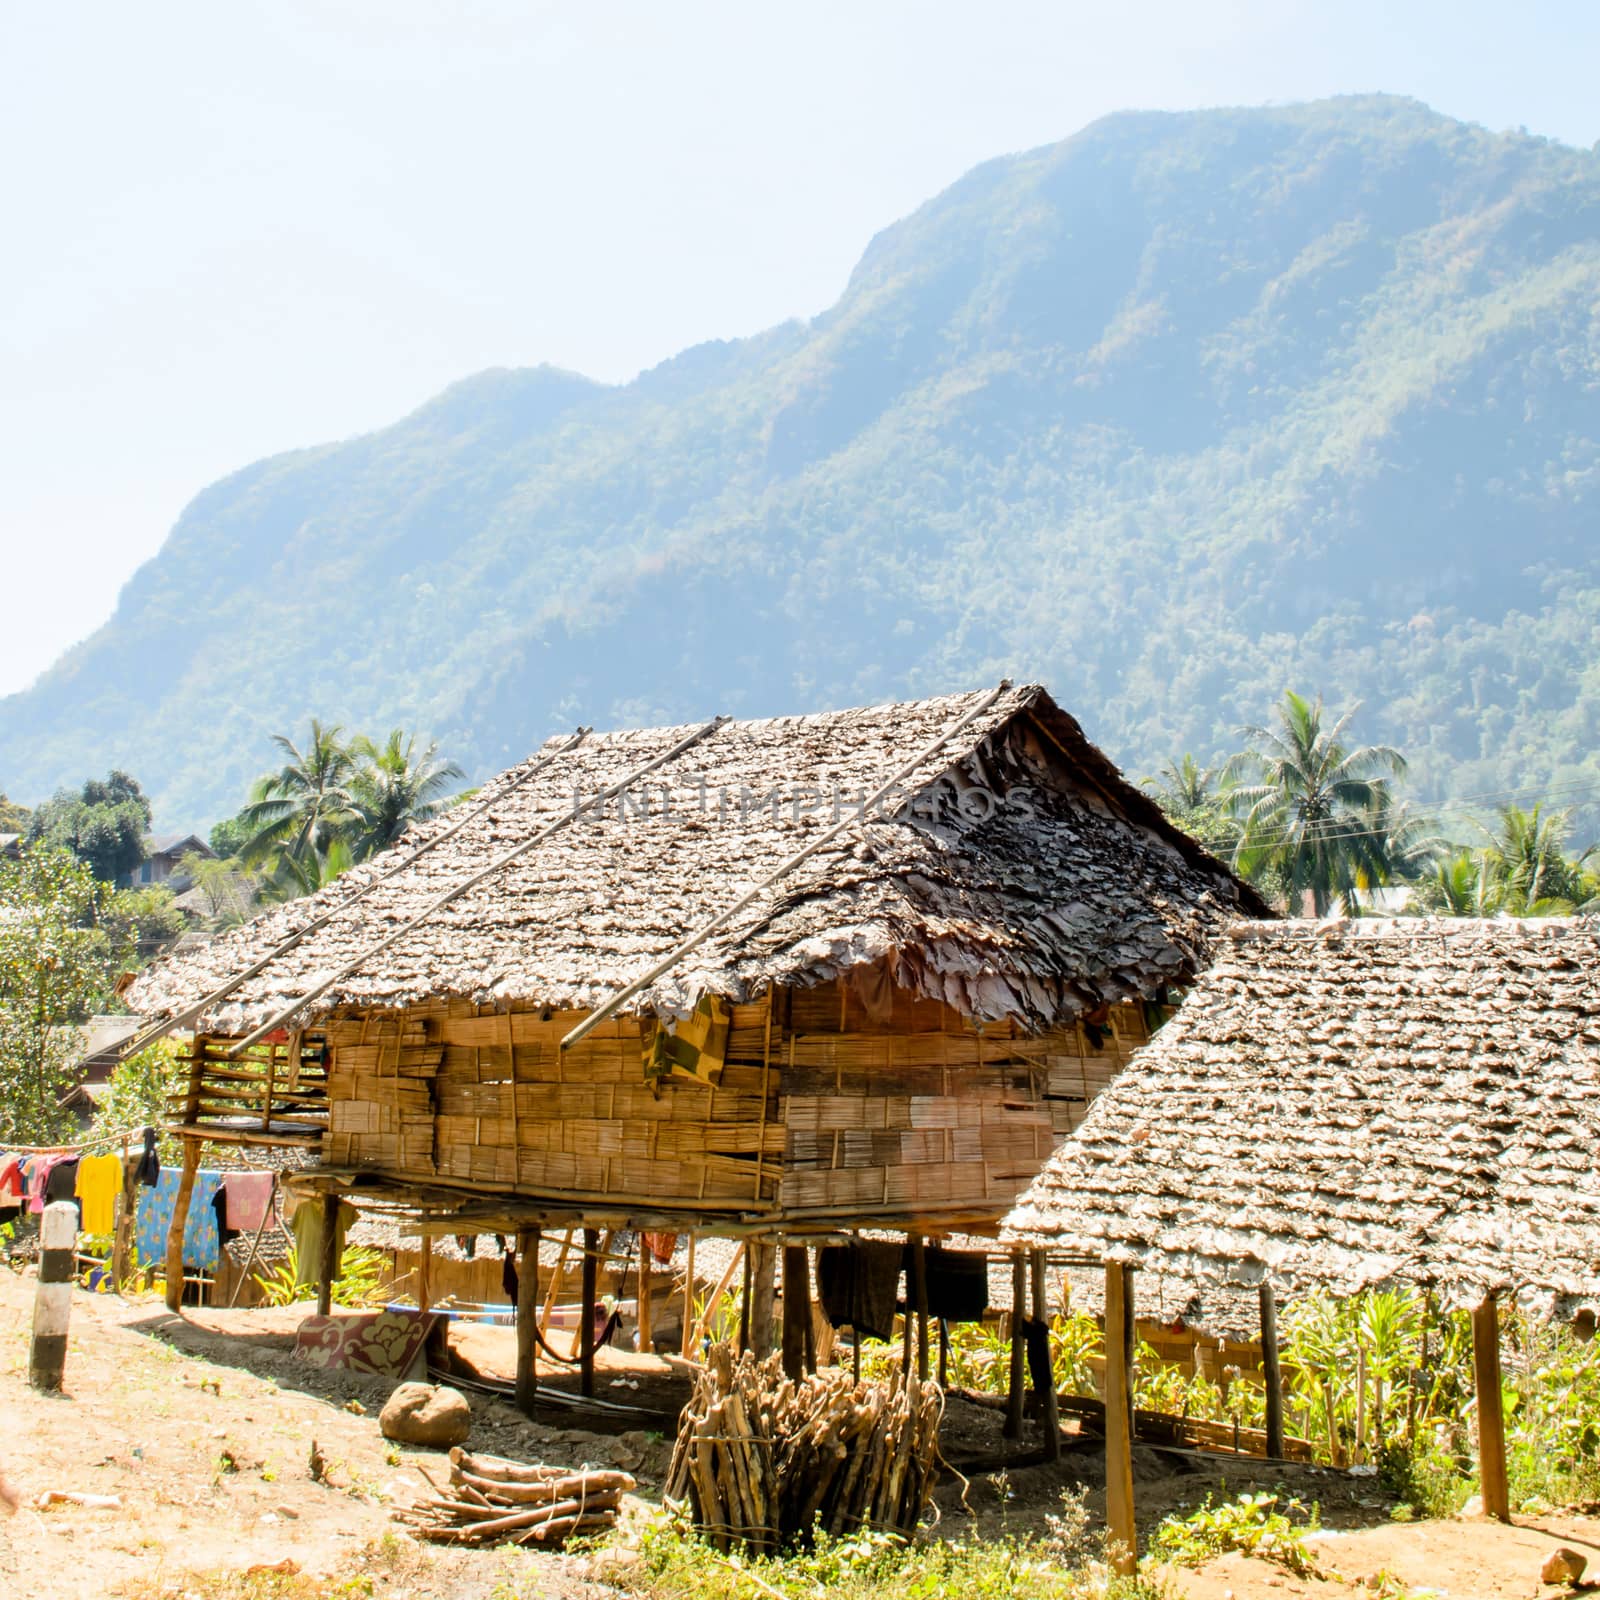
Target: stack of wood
x,y
763,1460
490,1499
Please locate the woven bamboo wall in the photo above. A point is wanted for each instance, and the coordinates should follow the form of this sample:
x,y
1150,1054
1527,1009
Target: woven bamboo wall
x,y
919,1111
493,1099
904,1112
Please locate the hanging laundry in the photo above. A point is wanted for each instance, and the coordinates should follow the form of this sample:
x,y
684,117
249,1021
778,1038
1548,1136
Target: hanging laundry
x,y
662,1245
201,1248
10,1182
99,1183
61,1183
149,1161
693,1048
858,1285
509,1282
249,1199
219,1205
958,1284
307,1226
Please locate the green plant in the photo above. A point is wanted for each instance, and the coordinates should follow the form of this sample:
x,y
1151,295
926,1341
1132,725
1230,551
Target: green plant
x,y
360,1283
1252,1523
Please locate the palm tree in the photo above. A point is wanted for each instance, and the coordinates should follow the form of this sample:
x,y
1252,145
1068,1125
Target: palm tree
x,y
1182,787
1527,860
1462,886
296,811
1316,813
295,875
394,786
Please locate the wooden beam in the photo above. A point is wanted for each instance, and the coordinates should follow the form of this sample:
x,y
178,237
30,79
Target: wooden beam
x,y
1017,1382
328,1266
180,1218
122,1240
917,1298
1491,1420
744,1298
1050,1415
555,1283
1270,1373
527,1320
591,1267
796,1309
1120,1532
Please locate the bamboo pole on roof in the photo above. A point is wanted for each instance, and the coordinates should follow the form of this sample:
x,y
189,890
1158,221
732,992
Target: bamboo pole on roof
x,y
621,996
189,1014
499,864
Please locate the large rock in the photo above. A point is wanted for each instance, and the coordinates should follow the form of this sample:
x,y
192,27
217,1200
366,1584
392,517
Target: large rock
x,y
1563,1566
426,1413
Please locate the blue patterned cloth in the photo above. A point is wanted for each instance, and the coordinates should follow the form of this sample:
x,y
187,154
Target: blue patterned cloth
x,y
201,1249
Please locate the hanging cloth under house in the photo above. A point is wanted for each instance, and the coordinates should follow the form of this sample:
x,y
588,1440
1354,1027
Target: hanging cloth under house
x,y
693,1048
201,1248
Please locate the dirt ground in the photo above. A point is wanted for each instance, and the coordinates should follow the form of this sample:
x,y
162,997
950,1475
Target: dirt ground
x,y
201,1426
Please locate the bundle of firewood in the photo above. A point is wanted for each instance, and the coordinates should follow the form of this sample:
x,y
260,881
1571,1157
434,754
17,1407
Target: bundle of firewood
x,y
490,1499
764,1460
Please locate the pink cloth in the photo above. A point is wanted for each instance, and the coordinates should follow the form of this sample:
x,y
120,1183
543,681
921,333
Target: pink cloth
x,y
247,1196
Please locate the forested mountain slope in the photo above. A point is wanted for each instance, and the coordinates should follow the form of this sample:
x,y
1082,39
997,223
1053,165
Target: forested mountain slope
x,y
1170,414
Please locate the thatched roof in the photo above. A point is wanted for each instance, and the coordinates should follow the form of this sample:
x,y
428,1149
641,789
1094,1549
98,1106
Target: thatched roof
x,y
1074,892
1354,1104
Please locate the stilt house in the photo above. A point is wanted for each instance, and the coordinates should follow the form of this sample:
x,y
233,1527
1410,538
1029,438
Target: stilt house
x,y
785,977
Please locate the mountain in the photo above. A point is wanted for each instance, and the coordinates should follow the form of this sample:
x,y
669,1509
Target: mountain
x,y
1171,414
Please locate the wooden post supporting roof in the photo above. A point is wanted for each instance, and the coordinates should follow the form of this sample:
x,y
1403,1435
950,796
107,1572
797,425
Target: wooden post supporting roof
x,y
1270,1373
1491,1420
1120,1532
644,1340
763,1270
1049,1406
425,1274
796,1309
591,1267
917,1299
1017,1380
180,1218
527,1320
328,1266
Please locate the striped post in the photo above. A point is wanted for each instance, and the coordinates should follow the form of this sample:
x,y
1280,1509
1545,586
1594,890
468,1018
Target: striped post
x,y
52,1305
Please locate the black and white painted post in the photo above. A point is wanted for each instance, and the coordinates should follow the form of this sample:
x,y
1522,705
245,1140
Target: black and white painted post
x,y
52,1305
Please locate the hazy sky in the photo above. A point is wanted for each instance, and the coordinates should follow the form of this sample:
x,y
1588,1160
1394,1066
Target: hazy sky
x,y
234,228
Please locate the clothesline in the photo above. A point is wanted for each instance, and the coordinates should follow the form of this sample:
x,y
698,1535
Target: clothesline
x,y
67,1149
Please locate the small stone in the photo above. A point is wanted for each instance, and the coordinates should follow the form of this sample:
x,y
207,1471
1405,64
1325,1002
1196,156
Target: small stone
x,y
355,1408
1472,1506
1563,1566
426,1414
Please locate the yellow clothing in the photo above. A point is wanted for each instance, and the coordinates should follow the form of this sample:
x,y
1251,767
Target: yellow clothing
x,y
99,1184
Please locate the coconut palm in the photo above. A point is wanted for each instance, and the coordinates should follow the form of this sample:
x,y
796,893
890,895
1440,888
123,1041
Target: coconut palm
x,y
297,810
1316,813
1527,860
1182,787
295,875
1461,885
393,786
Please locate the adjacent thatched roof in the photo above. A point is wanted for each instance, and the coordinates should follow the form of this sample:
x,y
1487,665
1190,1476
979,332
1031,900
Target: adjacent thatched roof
x,y
1074,892
1354,1104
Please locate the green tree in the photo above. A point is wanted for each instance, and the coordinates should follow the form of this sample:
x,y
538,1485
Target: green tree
x,y
139,1088
104,824
228,888
229,837
1195,798
140,923
55,967
296,811
1461,885
394,786
13,818
1315,812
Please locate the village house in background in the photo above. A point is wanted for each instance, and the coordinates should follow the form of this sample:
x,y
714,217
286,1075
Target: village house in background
x,y
163,863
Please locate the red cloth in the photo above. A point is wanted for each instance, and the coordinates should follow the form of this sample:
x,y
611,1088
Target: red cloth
x,y
662,1245
247,1196
10,1179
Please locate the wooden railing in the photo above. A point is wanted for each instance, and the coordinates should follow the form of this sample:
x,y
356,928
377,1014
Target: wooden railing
x,y
273,1093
